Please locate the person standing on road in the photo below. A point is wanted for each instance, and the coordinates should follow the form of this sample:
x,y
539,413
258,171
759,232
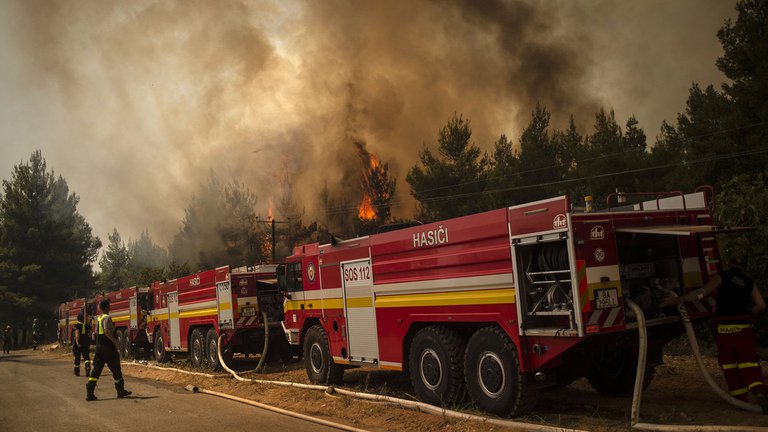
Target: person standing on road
x,y
35,334
81,344
7,335
738,302
105,353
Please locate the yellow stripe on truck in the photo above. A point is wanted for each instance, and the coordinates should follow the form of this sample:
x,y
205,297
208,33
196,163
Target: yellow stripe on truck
x,y
457,298
360,302
198,313
159,317
332,303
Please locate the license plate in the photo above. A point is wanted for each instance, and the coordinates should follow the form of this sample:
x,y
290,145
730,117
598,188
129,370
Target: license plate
x,y
248,311
607,298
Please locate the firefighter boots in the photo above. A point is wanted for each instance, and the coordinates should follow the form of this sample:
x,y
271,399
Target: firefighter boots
x,y
90,387
87,369
77,370
121,391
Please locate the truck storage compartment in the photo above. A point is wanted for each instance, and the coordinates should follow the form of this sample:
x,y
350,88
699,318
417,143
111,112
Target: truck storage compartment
x,y
545,284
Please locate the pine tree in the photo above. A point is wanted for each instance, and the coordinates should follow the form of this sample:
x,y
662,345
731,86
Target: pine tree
x,y
46,246
114,264
452,183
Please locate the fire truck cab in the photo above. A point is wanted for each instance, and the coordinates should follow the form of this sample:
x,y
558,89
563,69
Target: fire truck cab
x,y
505,302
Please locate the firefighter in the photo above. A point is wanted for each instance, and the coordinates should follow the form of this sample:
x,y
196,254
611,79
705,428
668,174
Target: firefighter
x,y
7,340
81,344
738,301
105,353
35,334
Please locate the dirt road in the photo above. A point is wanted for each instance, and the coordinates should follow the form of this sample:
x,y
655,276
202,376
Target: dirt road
x,y
678,395
39,393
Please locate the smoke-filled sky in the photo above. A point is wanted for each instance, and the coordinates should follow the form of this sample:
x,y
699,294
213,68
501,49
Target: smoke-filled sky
x,y
135,102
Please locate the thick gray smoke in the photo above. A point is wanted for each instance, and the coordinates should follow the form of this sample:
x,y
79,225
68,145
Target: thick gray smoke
x,y
135,102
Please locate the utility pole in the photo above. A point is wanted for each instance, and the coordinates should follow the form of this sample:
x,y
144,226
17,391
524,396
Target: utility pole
x,y
273,242
272,222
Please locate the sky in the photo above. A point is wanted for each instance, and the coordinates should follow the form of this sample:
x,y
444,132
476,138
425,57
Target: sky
x,y
136,103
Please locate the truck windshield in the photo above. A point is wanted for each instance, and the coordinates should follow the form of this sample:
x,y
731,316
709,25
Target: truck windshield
x,y
145,301
293,277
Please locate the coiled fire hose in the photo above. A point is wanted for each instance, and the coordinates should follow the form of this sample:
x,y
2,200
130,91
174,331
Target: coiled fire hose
x,y
640,376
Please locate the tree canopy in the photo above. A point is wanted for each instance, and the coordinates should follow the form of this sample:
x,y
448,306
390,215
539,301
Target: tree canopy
x,y
450,183
46,246
220,227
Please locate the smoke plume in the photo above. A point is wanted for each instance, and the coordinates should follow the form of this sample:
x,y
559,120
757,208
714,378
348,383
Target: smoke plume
x,y
135,102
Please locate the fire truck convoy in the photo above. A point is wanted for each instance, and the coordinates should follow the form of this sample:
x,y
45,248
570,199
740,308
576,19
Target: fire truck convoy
x,y
496,305
503,303
188,314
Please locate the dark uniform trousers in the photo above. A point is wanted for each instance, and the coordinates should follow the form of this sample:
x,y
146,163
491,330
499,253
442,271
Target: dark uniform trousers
x,y
83,351
105,354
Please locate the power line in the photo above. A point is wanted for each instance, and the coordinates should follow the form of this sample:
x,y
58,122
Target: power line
x,y
396,203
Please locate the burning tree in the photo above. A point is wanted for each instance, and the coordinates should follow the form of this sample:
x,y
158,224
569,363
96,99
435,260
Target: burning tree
x,y
377,186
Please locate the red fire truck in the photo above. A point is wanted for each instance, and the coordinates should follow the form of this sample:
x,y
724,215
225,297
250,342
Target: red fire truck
x,y
129,308
68,318
505,302
187,315
68,312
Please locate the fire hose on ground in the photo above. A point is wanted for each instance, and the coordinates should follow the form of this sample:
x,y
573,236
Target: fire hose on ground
x,y
418,406
640,376
316,420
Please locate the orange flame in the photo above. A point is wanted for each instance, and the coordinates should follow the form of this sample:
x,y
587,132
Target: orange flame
x,y
365,211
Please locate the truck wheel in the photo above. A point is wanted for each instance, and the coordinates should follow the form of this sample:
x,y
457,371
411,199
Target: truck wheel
x,y
197,348
612,373
494,379
436,358
127,347
317,358
120,336
212,350
161,355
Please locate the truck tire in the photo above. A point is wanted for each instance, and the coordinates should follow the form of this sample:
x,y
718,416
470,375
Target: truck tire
x,y
495,381
436,364
212,350
612,373
197,348
317,358
161,355
127,348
